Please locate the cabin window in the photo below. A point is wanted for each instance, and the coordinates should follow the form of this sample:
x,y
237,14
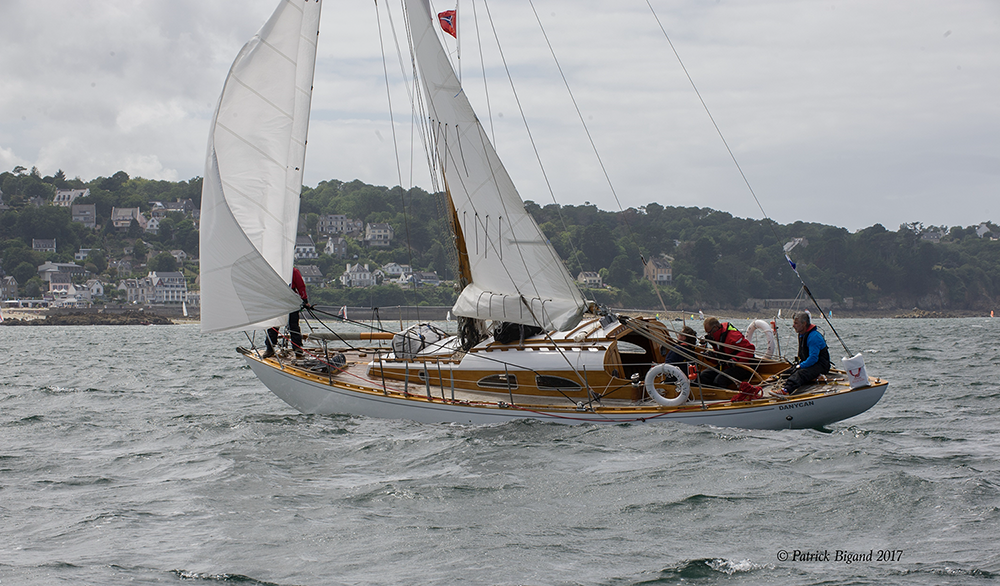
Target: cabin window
x,y
555,383
499,381
630,348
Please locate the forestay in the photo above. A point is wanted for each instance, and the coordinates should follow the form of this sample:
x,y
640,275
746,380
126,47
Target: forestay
x,y
516,274
253,174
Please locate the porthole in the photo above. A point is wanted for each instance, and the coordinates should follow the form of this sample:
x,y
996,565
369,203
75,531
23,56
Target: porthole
x,y
498,381
555,383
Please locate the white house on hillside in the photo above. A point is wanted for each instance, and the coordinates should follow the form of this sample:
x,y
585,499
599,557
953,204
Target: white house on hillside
x,y
305,248
395,270
378,235
64,197
94,287
168,287
590,279
420,279
337,224
122,218
357,275
137,291
336,247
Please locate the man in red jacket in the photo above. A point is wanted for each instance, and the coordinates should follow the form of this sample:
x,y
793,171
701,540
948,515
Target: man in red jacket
x,y
294,333
731,349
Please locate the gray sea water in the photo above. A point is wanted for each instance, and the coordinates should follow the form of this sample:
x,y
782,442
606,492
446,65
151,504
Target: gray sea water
x,y
151,455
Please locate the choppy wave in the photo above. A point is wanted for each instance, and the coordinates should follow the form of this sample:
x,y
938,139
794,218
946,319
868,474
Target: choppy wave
x,y
129,468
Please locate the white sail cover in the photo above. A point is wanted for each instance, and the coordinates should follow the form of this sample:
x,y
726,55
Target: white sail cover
x,y
516,274
253,174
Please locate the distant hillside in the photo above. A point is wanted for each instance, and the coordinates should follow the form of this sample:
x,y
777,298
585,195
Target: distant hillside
x,y
717,260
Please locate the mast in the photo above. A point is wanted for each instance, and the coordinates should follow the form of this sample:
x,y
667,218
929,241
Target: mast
x,y
464,268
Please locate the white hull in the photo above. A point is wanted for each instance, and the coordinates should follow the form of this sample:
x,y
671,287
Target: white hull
x,y
322,398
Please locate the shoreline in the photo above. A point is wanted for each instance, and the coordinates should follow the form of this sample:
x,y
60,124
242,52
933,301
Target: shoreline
x,y
844,314
42,317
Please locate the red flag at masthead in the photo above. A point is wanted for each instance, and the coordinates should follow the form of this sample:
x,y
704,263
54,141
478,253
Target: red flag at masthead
x,y
447,20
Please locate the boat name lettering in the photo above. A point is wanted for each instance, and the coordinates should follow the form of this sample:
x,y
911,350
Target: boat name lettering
x,y
795,405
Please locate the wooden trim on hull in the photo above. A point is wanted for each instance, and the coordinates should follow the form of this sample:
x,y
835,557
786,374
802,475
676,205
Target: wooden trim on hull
x,y
351,392
526,369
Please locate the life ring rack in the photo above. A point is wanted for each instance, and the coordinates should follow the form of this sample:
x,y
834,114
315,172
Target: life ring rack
x,y
682,384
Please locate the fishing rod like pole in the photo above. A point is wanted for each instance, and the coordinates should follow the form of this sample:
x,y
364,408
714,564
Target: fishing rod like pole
x,y
805,288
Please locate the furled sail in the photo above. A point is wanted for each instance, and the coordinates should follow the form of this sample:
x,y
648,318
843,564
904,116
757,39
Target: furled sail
x,y
516,274
253,174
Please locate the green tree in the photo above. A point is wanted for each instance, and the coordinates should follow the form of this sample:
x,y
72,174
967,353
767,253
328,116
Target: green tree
x,y
163,263
99,261
134,229
140,251
620,273
33,288
24,272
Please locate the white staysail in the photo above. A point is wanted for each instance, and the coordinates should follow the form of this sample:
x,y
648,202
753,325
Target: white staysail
x,y
516,274
253,174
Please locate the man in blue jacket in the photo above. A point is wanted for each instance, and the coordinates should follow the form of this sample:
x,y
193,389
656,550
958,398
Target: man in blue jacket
x,y
814,356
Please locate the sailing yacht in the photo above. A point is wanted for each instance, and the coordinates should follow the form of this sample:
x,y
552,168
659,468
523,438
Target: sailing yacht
x,y
529,345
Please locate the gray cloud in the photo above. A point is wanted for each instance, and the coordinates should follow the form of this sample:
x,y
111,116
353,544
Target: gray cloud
x,y
847,113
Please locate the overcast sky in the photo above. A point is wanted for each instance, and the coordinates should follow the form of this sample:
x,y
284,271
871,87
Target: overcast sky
x,y
845,113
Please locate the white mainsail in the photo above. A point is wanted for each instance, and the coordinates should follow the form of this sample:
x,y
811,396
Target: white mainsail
x,y
253,174
516,274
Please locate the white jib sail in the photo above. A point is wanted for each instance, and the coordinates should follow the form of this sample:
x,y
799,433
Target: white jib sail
x,y
516,274
253,174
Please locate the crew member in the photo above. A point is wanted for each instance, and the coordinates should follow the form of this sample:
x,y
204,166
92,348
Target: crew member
x,y
683,354
814,355
732,350
294,333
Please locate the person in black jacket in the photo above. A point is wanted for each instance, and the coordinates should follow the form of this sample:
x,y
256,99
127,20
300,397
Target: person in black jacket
x,y
684,353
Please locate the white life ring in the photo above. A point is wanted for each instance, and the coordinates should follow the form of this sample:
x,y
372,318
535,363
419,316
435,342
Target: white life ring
x,y
683,385
763,326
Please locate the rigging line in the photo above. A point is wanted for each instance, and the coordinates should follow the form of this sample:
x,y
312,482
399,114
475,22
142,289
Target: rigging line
x,y
418,111
444,153
313,311
576,106
527,129
482,64
593,145
647,332
316,310
395,146
406,82
746,181
712,119
485,143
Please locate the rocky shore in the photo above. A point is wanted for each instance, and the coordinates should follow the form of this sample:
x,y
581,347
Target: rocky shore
x,y
128,318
